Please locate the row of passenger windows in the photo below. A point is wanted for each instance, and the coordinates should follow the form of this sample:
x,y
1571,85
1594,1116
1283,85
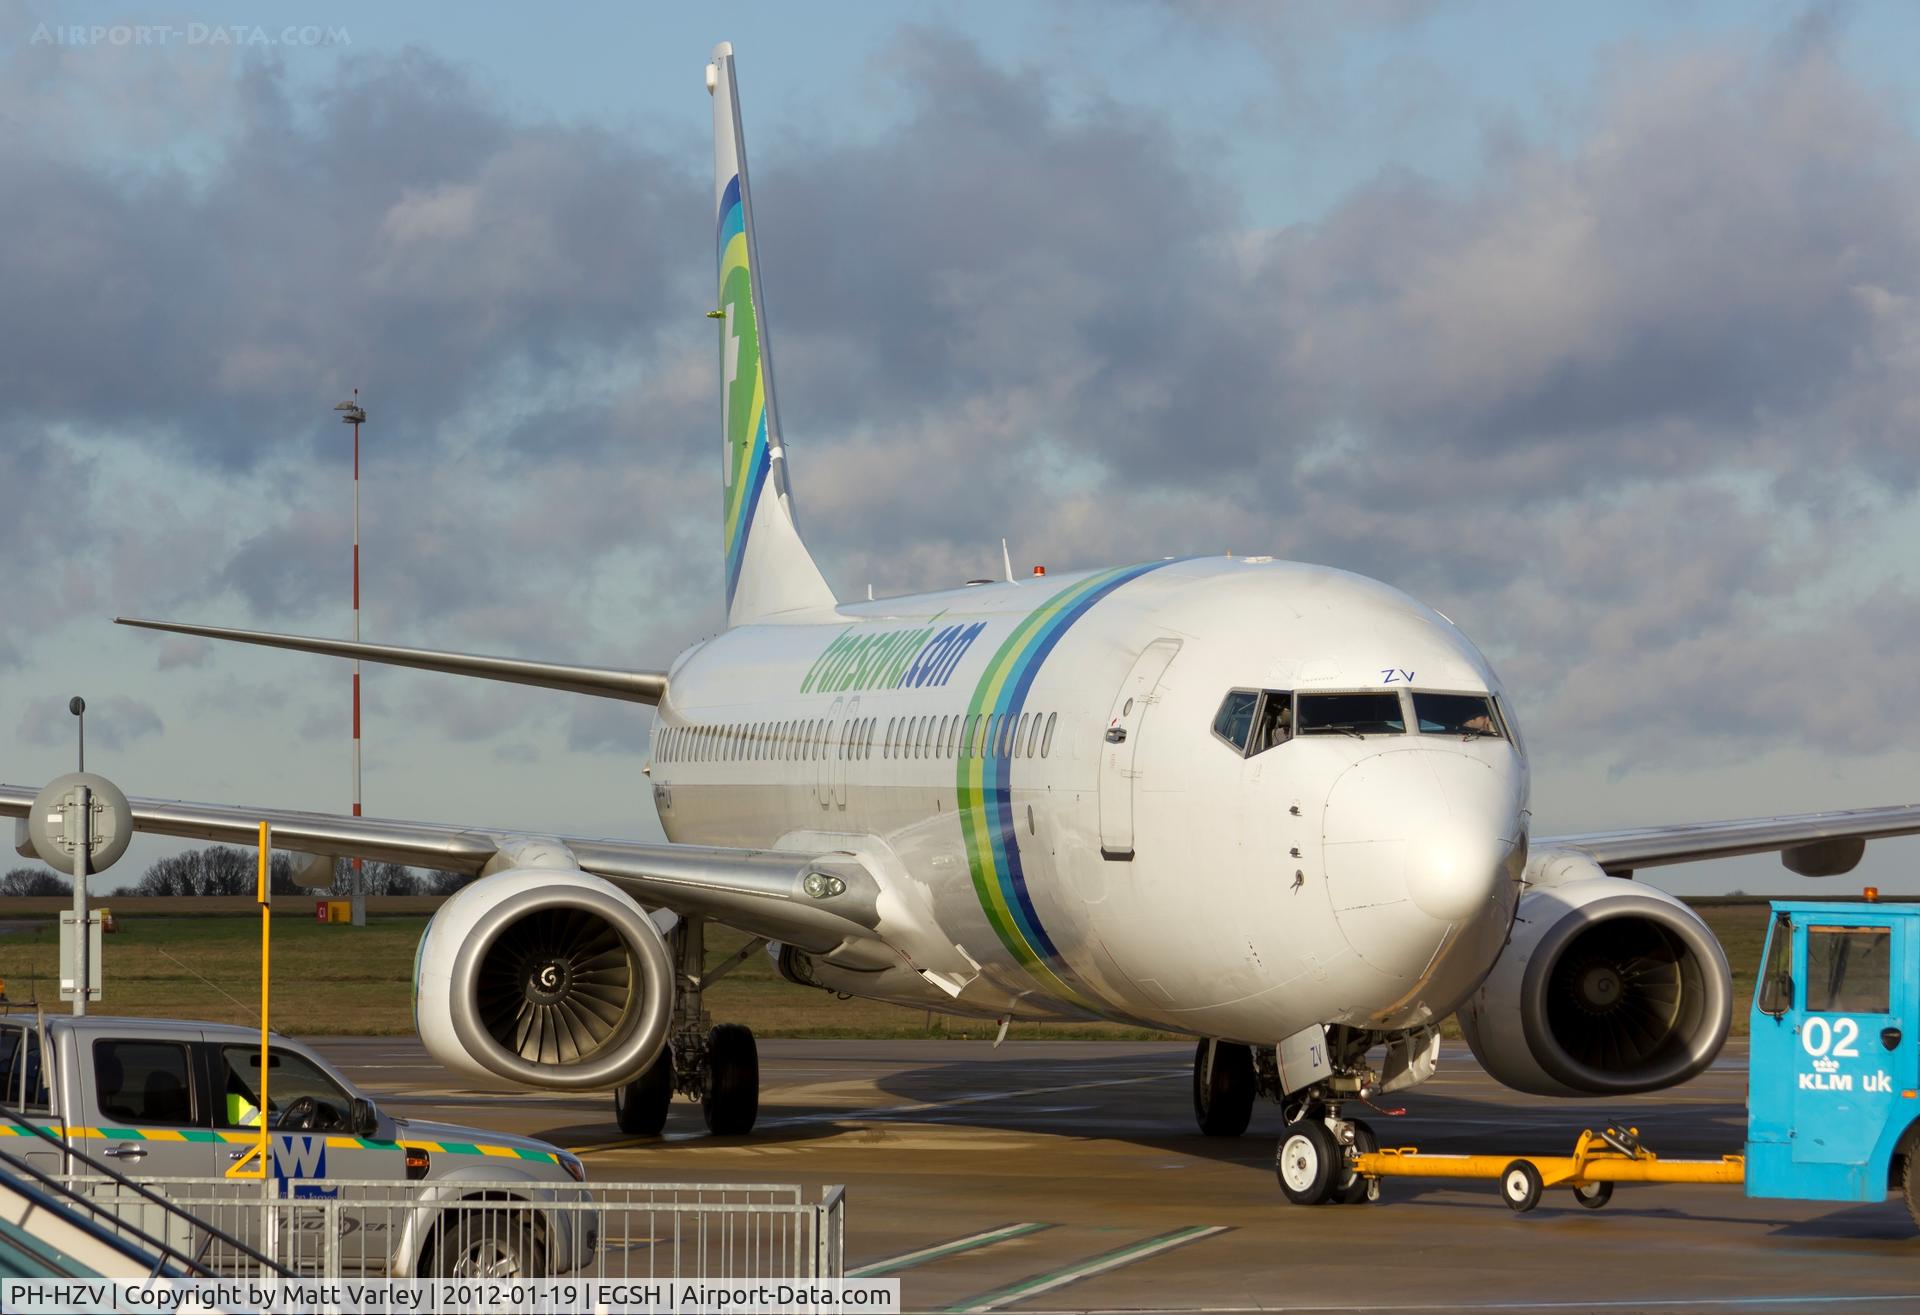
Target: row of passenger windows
x,y
974,735
1255,720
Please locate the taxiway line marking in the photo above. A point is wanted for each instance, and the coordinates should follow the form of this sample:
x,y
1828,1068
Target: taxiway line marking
x,y
1100,1264
940,1251
977,1098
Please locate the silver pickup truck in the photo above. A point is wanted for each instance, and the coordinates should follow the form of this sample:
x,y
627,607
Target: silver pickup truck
x,y
173,1099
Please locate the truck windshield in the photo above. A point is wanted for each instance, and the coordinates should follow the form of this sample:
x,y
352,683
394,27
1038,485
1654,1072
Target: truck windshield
x,y
1349,714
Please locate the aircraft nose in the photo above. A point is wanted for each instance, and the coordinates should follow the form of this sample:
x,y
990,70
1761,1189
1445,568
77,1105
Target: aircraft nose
x,y
1415,841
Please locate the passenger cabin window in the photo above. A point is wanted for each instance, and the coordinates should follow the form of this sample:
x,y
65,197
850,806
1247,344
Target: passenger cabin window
x,y
143,1082
1848,969
1349,714
1046,741
1469,716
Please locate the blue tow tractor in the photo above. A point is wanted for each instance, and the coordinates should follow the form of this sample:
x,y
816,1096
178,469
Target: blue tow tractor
x,y
1833,1080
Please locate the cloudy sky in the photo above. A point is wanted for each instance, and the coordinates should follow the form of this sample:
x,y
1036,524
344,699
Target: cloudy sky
x,y
1595,328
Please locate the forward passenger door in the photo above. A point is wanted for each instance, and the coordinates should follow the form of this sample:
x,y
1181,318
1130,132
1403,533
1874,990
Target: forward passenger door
x,y
1120,748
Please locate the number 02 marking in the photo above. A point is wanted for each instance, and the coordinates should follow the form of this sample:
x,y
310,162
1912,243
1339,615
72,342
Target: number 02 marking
x,y
1840,1039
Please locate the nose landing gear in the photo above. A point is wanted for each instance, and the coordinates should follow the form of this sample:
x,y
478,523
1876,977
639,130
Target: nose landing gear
x,y
1314,1163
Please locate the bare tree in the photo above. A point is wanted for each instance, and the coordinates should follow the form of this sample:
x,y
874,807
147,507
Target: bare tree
x,y
34,881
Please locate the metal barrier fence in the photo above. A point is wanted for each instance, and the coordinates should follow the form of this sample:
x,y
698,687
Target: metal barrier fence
x,y
461,1229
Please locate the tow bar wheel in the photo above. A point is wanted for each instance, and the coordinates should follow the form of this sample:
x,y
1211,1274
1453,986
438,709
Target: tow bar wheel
x,y
1593,1195
1305,1165
1520,1184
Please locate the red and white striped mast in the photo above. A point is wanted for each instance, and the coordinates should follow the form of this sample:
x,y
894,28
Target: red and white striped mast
x,y
352,414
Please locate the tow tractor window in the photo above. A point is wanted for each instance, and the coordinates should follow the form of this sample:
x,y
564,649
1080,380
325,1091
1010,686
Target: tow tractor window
x,y
1349,714
290,1078
1776,979
1848,969
1467,715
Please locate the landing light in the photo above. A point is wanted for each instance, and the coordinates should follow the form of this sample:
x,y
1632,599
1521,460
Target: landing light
x,y
821,886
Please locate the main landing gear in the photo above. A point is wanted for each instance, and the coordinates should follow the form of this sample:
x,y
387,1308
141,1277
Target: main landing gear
x,y
1224,1085
715,1064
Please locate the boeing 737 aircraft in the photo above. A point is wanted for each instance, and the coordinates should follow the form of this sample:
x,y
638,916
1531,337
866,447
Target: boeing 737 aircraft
x,y
1277,807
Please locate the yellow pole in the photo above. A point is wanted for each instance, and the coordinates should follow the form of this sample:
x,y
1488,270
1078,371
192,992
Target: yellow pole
x,y
254,1163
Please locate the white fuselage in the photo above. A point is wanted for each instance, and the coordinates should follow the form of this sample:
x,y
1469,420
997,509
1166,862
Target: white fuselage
x,y
1031,771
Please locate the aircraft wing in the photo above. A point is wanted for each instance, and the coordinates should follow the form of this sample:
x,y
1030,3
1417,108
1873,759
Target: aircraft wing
x,y
1819,840
756,891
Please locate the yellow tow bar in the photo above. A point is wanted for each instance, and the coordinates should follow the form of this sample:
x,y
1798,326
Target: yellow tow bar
x,y
1599,1160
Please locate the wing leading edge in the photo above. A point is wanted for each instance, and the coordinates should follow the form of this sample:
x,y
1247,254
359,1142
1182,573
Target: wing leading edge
x,y
757,891
1821,842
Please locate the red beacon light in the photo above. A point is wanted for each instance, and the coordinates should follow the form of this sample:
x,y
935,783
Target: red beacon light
x,y
1039,570
1871,894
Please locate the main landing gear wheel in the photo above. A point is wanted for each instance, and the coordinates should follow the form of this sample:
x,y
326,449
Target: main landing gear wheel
x,y
640,1106
1352,1188
1308,1159
733,1081
1593,1195
1520,1186
1223,1094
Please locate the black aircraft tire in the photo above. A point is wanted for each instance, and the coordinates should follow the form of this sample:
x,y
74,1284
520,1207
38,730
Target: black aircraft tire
x,y
1223,1106
1306,1162
640,1106
733,1081
1351,1188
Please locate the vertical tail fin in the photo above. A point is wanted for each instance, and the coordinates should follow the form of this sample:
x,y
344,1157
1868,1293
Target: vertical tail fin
x,y
768,567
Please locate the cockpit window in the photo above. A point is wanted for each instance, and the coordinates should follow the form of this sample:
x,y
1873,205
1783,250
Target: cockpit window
x,y
1466,715
1234,722
1255,720
1350,714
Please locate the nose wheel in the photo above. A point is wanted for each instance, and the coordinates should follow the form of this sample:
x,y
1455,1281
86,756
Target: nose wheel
x,y
1305,1162
1313,1163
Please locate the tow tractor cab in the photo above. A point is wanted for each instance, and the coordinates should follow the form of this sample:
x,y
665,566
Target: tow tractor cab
x,y
1833,1100
164,1098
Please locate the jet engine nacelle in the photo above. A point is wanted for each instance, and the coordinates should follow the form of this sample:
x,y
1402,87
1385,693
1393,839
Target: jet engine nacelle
x,y
552,978
1605,988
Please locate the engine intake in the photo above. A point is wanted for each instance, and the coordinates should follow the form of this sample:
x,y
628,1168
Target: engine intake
x,y
551,978
1605,988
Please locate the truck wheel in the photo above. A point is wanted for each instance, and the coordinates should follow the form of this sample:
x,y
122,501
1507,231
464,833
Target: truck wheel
x,y
733,1081
1520,1185
1223,1102
640,1106
1910,1188
1307,1161
488,1244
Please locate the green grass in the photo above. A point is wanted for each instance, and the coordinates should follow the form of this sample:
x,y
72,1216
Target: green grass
x,y
338,980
